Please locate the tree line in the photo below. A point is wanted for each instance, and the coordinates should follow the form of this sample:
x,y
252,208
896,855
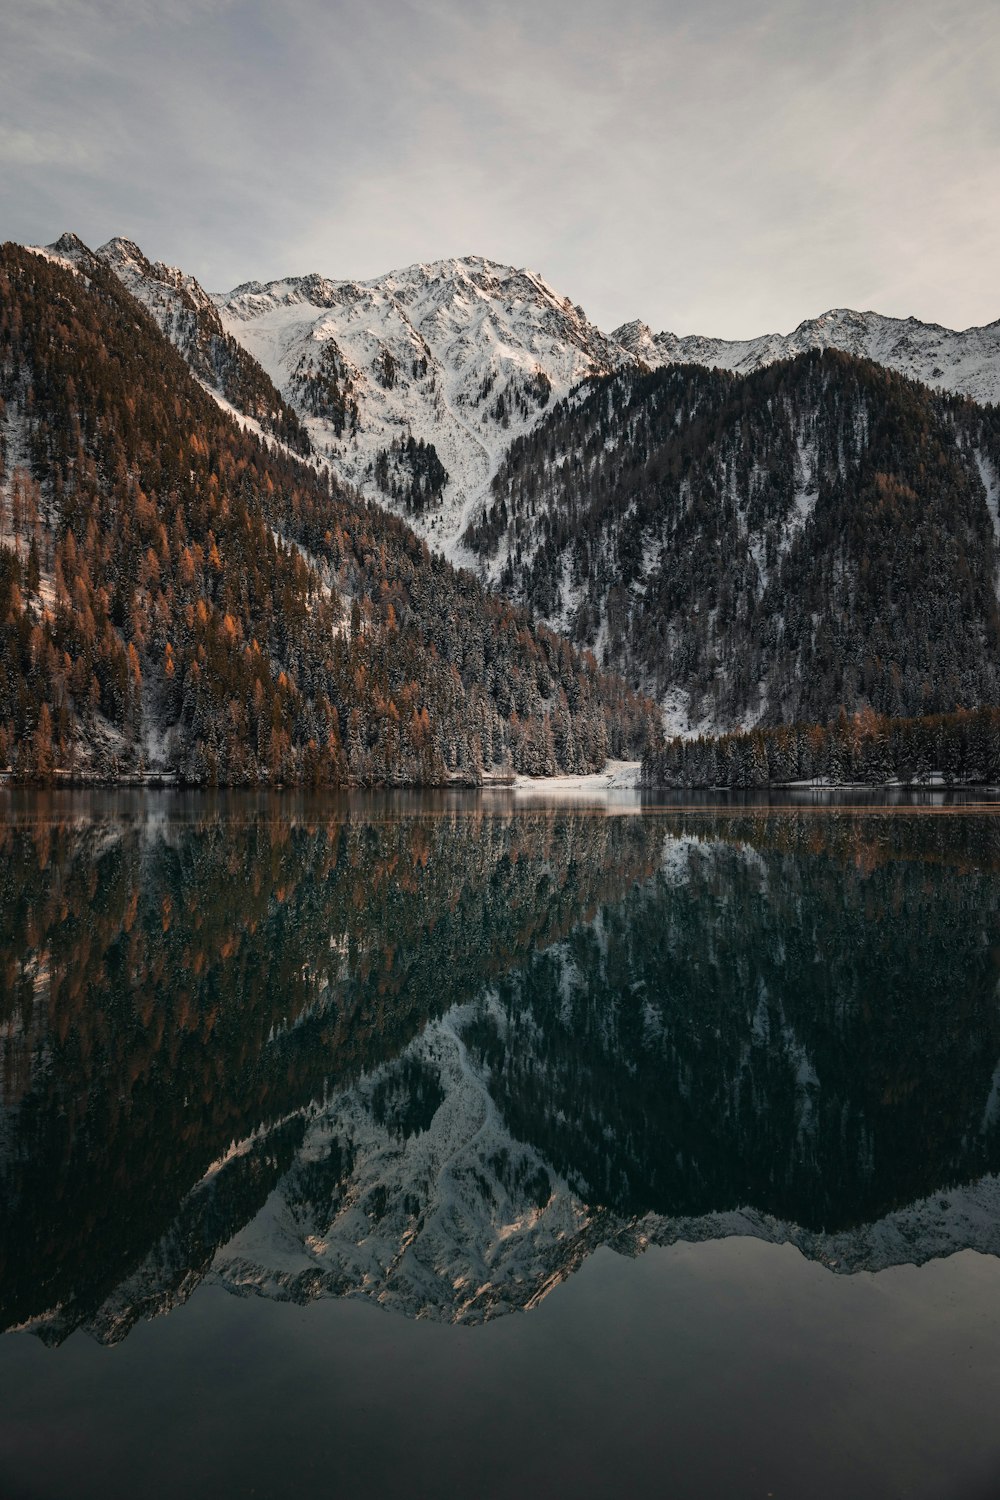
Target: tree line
x,y
871,749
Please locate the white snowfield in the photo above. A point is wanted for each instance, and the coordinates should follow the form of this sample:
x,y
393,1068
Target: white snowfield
x,y
465,354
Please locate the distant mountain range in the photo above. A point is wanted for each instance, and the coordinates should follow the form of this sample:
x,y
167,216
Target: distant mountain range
x,y
460,354
967,362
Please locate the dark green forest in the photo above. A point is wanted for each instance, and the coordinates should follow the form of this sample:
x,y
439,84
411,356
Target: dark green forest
x,y
411,472
810,537
863,748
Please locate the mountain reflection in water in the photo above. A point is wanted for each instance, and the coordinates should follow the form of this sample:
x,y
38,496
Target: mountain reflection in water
x,y
436,1053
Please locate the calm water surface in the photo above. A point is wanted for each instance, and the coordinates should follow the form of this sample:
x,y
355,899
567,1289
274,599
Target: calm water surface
x,y
453,1147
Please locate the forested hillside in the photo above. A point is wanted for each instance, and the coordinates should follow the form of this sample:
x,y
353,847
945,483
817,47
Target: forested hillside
x,y
816,535
176,593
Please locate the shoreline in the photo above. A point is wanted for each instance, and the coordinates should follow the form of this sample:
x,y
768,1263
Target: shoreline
x,y
618,778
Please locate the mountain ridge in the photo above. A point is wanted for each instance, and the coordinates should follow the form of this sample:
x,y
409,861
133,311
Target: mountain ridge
x,y
764,547
465,354
449,391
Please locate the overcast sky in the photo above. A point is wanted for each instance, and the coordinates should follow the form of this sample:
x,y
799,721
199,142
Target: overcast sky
x,y
722,167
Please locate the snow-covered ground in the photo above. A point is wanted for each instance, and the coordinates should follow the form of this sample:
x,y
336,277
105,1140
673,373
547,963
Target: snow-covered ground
x,y
618,776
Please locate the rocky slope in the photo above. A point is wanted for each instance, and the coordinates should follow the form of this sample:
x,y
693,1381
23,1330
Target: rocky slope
x,y
188,316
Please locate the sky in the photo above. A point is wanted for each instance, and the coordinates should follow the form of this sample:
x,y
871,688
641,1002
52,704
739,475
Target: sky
x,y
724,167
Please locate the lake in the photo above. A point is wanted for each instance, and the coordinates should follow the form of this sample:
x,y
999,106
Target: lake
x,y
478,1146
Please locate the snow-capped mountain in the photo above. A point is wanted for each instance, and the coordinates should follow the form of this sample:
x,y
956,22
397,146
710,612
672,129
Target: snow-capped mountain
x,y
413,386
437,390
459,354
966,362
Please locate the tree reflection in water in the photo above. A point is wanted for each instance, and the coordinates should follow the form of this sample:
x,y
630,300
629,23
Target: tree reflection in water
x,y
437,1052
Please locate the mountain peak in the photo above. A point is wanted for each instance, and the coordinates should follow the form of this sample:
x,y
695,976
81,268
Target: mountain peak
x,y
152,281
68,243
462,353
636,338
119,251
70,249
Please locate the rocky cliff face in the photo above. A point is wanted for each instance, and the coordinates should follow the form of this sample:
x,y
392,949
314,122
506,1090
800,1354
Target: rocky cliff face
x,y
461,355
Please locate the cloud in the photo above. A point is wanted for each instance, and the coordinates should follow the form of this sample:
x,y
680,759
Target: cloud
x,y
725,167
27,148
